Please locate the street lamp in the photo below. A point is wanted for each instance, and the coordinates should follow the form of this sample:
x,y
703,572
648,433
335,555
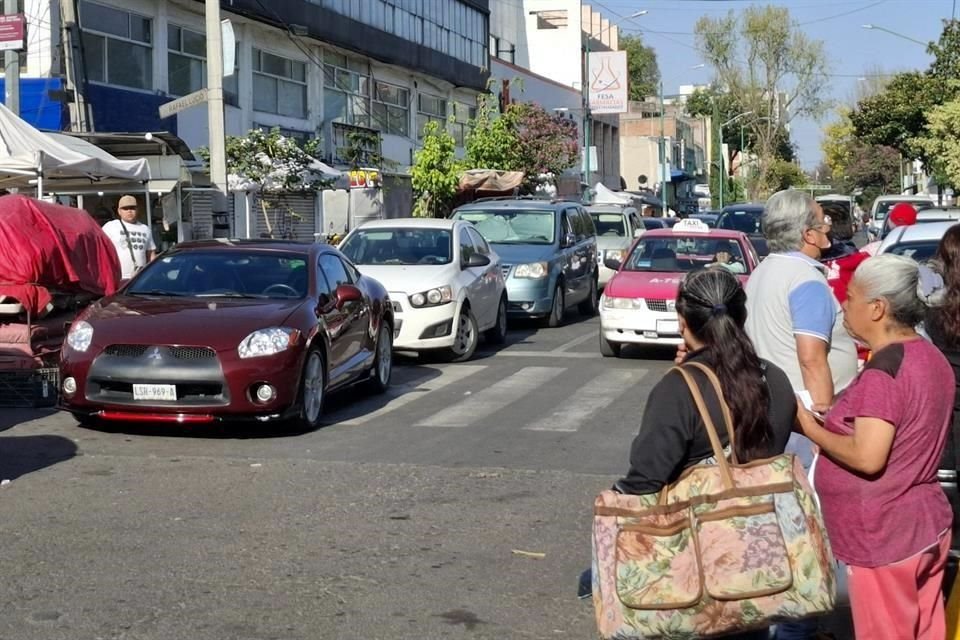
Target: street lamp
x,y
723,173
585,91
893,33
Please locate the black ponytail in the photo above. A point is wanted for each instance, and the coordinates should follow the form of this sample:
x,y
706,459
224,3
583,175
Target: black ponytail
x,y
713,305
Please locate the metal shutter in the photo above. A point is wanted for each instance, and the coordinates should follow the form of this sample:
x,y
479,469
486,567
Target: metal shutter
x,y
291,216
201,210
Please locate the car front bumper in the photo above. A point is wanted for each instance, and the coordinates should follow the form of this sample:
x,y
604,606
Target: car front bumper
x,y
527,297
639,326
420,329
211,388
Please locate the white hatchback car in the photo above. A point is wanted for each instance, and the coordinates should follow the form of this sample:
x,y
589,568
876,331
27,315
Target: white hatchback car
x,y
445,283
917,241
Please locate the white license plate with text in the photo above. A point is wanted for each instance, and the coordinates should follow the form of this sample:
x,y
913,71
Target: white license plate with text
x,y
154,392
668,327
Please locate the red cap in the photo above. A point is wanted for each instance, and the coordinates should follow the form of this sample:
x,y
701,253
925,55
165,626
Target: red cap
x,y
902,215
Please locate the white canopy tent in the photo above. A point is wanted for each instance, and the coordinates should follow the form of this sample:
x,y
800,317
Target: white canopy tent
x,y
603,195
30,158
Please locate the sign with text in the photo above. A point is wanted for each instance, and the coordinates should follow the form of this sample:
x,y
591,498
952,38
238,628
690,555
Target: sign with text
x,y
190,100
12,29
607,81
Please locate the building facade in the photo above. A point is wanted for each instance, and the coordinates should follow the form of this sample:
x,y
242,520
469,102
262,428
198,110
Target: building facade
x,y
313,68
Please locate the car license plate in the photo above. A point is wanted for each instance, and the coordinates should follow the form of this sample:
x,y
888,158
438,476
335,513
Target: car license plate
x,y
668,327
154,392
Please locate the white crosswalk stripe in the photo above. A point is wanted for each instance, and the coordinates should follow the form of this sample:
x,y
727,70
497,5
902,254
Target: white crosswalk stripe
x,y
404,394
483,403
582,405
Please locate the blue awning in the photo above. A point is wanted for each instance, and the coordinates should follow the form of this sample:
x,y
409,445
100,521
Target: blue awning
x,y
676,175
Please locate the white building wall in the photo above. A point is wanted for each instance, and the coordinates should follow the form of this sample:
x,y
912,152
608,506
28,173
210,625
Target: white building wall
x,y
555,53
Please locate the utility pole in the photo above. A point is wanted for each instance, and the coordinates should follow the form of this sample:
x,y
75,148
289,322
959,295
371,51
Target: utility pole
x,y
587,120
663,161
218,151
11,68
81,120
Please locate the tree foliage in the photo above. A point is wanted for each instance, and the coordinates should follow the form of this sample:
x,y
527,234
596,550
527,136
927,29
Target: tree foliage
x,y
435,174
765,60
942,140
642,69
852,163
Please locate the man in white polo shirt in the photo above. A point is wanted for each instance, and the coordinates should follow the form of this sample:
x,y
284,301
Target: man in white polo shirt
x,y
132,240
795,321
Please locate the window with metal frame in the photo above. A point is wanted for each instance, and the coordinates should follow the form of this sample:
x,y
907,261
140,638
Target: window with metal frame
x,y
346,90
187,65
464,115
279,85
430,109
391,109
118,46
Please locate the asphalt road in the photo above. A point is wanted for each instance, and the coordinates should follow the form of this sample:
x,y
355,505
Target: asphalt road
x,y
401,518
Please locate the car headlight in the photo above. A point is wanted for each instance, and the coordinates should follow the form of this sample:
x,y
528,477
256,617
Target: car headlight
x,y
433,297
615,254
80,336
622,303
533,270
267,342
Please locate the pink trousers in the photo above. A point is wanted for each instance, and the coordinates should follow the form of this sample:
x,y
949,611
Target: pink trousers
x,y
901,601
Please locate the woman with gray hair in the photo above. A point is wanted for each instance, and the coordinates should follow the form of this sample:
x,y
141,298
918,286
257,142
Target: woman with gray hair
x,y
880,443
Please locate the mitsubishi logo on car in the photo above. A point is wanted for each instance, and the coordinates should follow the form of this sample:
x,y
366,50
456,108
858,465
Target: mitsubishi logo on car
x,y
154,354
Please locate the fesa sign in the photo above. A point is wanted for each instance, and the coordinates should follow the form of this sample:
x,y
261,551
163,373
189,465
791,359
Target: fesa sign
x,y
12,32
607,81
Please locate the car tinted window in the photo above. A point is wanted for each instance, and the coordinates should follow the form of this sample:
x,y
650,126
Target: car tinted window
x,y
466,246
588,226
478,242
652,223
516,226
572,223
747,221
919,251
401,246
334,270
231,273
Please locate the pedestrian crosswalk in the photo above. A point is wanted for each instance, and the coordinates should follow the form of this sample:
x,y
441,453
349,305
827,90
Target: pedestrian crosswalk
x,y
554,399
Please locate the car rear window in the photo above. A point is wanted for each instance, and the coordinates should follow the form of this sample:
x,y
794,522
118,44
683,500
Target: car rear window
x,y
745,220
609,224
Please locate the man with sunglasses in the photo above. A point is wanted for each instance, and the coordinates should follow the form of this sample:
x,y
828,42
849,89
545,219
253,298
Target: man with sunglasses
x,y
132,240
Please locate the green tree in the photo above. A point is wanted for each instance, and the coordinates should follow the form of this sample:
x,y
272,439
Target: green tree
x,y
642,68
897,116
776,72
492,142
942,141
783,174
435,174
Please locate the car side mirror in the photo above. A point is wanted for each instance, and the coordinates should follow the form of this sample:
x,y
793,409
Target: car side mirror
x,y
347,293
476,260
612,264
569,240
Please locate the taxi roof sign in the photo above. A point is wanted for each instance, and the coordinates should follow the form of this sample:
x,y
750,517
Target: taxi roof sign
x,y
691,225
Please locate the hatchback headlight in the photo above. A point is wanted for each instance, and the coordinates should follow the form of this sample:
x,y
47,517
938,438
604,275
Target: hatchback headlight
x,y
267,342
533,270
80,336
610,302
432,298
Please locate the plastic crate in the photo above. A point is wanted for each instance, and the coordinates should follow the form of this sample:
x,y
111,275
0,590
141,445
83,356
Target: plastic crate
x,y
29,388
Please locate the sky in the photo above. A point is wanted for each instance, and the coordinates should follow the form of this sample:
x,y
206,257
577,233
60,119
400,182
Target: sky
x,y
852,51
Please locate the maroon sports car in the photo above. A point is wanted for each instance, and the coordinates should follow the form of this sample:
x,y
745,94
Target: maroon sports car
x,y
229,330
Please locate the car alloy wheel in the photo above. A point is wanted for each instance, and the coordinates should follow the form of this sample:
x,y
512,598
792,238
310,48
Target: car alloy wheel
x,y
312,390
466,338
589,306
383,363
498,334
555,319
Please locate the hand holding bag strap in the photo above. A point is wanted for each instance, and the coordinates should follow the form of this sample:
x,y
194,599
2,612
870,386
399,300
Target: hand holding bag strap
x,y
724,407
725,474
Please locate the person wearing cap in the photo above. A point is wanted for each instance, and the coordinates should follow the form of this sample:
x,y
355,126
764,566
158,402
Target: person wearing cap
x,y
132,240
903,214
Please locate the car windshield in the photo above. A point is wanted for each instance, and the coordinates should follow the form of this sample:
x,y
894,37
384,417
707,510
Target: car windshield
x,y
919,251
517,226
745,220
400,246
683,253
224,273
609,224
883,207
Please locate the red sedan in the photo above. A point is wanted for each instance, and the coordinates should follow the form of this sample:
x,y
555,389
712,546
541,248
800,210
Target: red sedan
x,y
229,330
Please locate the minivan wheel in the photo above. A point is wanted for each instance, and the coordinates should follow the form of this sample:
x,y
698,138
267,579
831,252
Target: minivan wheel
x,y
498,333
466,336
588,307
609,349
555,319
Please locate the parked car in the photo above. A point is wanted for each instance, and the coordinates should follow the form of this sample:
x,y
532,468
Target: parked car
x,y
229,330
548,250
444,281
616,227
840,209
747,218
639,304
708,218
917,241
938,214
883,204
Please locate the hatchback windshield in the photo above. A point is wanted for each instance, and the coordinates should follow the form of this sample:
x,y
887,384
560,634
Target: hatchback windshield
x,y
400,246
609,224
227,274
745,220
520,226
685,253
919,251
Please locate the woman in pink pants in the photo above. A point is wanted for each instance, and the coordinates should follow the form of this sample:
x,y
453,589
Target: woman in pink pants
x,y
881,442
